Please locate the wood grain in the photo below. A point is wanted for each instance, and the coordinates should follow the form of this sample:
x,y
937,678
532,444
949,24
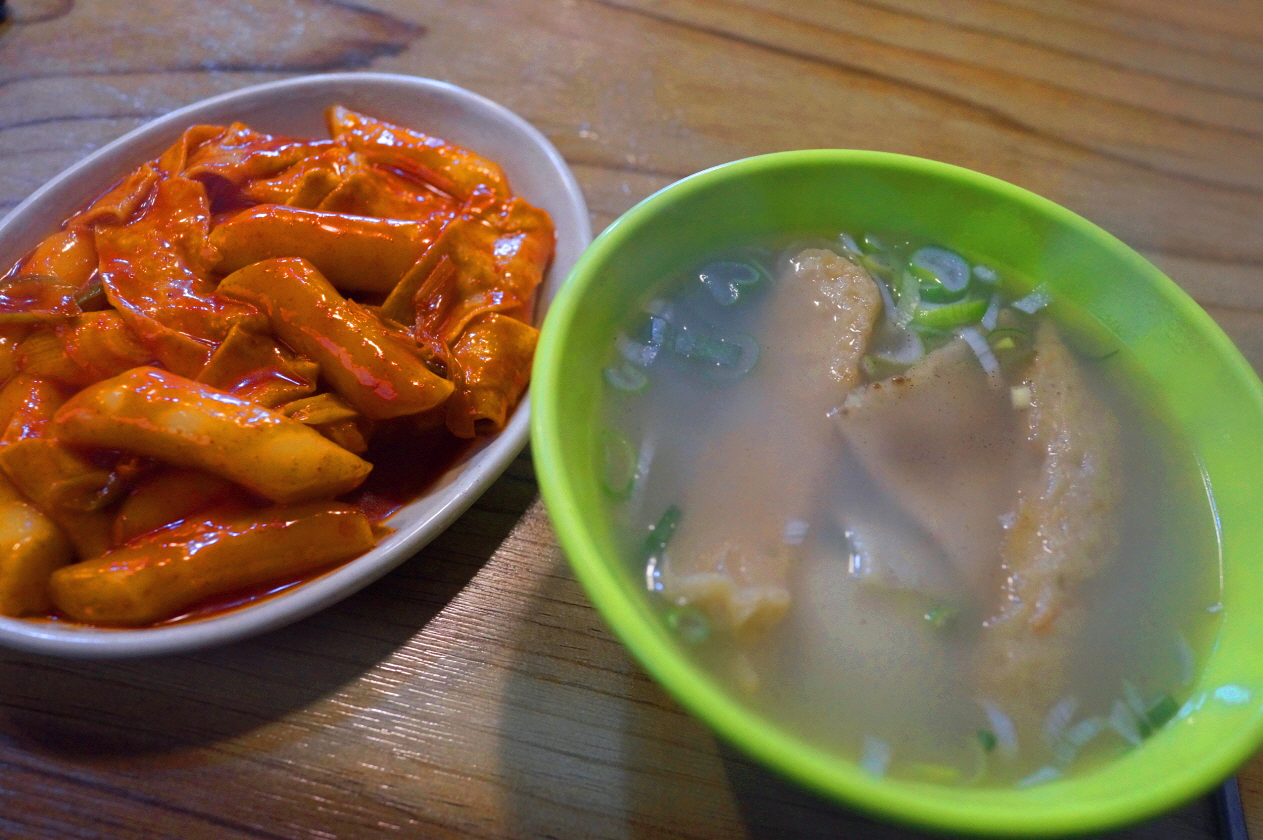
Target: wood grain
x,y
474,692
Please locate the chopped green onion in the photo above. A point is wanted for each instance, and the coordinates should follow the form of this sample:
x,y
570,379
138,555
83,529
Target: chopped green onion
x,y
1187,659
748,355
1135,702
690,624
980,747
942,774
1160,712
935,292
1008,338
1059,717
1012,347
875,757
871,243
876,368
1085,730
1123,721
1003,728
992,315
849,244
1075,738
941,616
661,531
981,349
986,275
655,546
660,308
950,315
639,353
1039,777
1089,338
939,265
1033,302
908,293
728,280
618,463
897,346
692,344
881,266
648,336
626,377
731,357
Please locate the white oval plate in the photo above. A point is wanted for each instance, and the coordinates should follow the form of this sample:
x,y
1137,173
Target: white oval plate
x,y
536,172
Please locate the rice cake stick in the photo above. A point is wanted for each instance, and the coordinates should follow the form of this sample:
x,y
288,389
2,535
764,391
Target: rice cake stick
x,y
32,549
155,577
160,414
355,253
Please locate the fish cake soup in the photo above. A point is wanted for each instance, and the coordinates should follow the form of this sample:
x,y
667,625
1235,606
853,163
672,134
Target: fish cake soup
x,y
910,508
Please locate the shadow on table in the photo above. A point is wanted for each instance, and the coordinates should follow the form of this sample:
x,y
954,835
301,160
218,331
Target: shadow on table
x,y
83,708
774,809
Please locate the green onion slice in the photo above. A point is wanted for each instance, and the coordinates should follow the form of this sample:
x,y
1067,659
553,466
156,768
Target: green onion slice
x,y
880,265
618,463
1160,712
728,358
626,377
984,274
690,624
1033,302
655,546
872,244
935,292
950,315
908,299
1012,346
729,280
941,616
936,265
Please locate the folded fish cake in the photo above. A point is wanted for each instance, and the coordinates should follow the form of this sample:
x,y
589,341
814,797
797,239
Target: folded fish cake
x,y
32,549
374,368
156,576
751,484
355,253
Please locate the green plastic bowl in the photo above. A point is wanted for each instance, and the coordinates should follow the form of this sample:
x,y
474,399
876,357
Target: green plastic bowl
x,y
1209,388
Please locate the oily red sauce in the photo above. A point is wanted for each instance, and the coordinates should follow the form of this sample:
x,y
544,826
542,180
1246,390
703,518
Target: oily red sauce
x,y
406,466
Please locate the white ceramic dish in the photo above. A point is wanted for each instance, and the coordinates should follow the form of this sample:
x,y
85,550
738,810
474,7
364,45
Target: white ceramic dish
x,y
296,107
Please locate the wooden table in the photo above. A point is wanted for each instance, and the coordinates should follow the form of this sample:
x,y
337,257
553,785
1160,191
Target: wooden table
x,y
474,692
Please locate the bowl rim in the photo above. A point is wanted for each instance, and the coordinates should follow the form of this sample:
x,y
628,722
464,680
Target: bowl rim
x,y
459,488
1002,811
